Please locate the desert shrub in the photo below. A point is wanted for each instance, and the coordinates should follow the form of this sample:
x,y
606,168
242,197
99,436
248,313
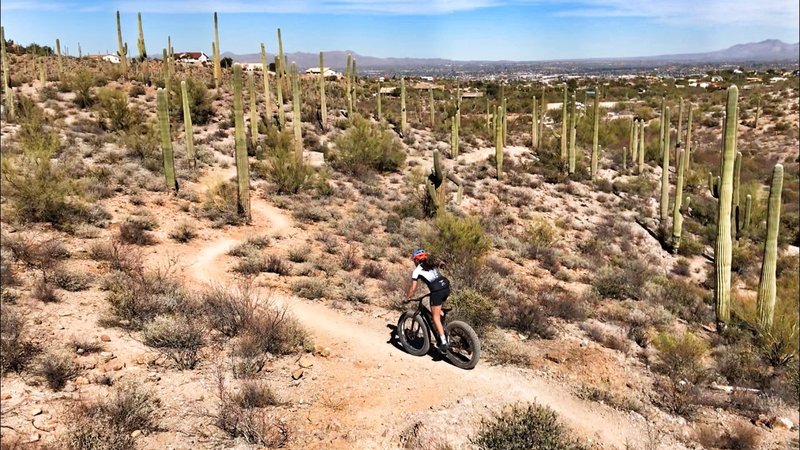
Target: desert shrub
x,y
138,296
310,288
184,232
56,369
252,264
275,331
45,256
200,105
684,299
681,361
613,340
253,424
528,317
15,348
115,112
135,231
626,281
349,259
179,337
539,235
255,394
276,264
282,166
367,146
740,364
742,436
559,302
460,244
108,423
85,346
220,204
471,307
71,281
299,254
229,309
372,269
81,84
353,291
524,427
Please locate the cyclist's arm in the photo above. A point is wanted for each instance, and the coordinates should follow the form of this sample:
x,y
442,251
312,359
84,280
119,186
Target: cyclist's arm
x,y
412,289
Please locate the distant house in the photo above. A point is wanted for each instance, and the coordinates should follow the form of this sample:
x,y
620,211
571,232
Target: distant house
x,y
475,94
390,90
777,79
113,59
426,78
716,79
328,73
191,57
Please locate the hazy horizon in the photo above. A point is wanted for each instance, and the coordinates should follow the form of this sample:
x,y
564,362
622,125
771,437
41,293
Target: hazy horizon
x,y
519,30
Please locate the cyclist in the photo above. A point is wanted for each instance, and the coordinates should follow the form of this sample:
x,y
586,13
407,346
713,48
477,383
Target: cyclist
x,y
438,285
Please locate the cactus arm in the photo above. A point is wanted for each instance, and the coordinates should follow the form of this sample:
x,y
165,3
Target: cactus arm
x,y
722,253
564,132
166,140
677,219
765,303
140,41
267,96
748,208
217,57
296,119
689,138
123,57
403,117
187,125
641,147
242,162
253,110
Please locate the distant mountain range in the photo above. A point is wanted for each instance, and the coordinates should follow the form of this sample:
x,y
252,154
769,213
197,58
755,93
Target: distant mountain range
x,y
770,50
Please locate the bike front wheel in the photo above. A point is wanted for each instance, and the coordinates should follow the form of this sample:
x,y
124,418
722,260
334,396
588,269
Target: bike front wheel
x,y
413,333
464,348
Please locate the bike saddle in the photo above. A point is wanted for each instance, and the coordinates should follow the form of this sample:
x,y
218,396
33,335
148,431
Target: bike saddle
x,y
447,309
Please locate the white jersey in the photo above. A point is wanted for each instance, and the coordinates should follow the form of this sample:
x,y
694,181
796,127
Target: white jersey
x,y
428,276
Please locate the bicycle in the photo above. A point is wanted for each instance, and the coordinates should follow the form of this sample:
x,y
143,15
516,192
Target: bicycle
x,y
415,330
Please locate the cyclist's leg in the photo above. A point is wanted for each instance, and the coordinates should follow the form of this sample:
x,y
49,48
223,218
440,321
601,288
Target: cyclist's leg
x,y
436,312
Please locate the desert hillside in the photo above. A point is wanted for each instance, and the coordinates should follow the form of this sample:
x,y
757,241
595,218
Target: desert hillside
x,y
197,256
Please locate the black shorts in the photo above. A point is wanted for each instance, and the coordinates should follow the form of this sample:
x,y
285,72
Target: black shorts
x,y
439,297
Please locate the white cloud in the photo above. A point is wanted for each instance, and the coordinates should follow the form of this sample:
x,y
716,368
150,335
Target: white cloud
x,y
13,5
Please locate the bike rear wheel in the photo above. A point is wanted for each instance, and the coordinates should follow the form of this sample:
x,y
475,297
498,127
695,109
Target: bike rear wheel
x,y
464,347
413,333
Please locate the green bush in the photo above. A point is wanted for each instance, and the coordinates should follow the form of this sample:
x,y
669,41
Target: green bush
x,y
459,243
283,168
366,147
626,281
524,428
81,84
681,356
115,112
178,337
471,307
200,105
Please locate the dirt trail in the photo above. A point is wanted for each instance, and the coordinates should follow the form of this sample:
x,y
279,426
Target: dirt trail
x,y
368,391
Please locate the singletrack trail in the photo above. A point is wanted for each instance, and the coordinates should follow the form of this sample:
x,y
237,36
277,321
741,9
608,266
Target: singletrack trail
x,y
368,391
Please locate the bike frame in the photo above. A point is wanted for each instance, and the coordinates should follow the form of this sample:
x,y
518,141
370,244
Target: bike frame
x,y
427,315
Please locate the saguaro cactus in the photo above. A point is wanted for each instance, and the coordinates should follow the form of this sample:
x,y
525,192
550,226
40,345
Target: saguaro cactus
x,y
166,139
166,72
665,170
267,96
456,123
679,133
187,124
251,88
435,184
573,128
279,93
296,120
722,249
766,284
505,119
348,83
140,41
737,171
403,119
748,209
281,66
217,58
498,141
242,163
677,218
543,108
758,113
534,125
123,53
635,141
4,57
58,55
595,134
564,131
432,107
323,106
689,138
640,155
661,126
378,98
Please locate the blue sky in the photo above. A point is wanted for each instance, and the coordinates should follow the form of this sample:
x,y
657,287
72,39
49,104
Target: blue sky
x,y
455,29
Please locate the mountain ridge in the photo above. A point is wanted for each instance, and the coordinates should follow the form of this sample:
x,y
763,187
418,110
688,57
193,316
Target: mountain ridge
x,y
768,50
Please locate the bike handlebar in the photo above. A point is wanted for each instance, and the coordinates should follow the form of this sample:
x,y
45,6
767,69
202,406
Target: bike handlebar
x,y
418,298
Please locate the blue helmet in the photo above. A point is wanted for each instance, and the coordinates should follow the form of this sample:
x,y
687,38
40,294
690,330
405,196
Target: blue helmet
x,y
419,255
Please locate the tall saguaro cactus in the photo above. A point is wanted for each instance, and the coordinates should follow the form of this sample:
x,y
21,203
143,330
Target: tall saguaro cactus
x,y
166,139
766,284
737,171
267,96
534,125
216,56
456,123
595,134
187,124
641,147
498,141
432,107
279,93
635,142
323,106
281,66
296,120
380,110
4,57
677,218
564,131
242,163
748,209
140,41
679,133
572,136
403,118
58,55
123,53
689,138
251,88
348,83
722,249
665,170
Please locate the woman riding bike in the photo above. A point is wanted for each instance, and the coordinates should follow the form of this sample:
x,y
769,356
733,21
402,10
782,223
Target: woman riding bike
x,y
438,285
